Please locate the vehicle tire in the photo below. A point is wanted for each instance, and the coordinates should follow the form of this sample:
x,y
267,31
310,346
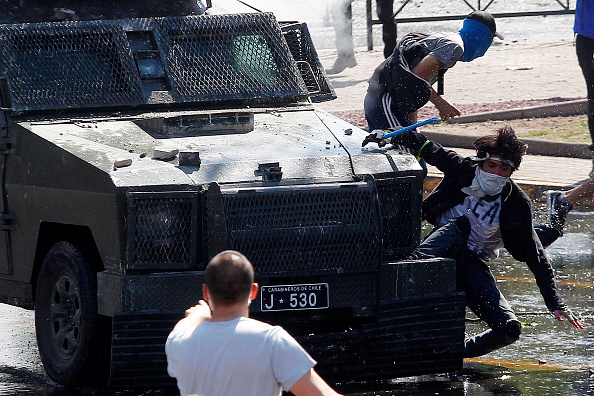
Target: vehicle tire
x,y
73,340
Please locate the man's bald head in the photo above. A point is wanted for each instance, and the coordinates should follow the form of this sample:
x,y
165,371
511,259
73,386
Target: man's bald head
x,y
229,277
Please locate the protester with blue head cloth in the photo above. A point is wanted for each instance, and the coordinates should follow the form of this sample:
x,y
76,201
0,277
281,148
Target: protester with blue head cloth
x,y
403,82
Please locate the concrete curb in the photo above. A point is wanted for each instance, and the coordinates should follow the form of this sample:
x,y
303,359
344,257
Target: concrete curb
x,y
535,147
572,107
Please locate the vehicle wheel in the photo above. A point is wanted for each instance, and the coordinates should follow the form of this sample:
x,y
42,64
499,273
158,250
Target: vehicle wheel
x,y
73,340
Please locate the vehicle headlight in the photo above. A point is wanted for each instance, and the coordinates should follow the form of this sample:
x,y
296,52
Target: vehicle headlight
x,y
162,231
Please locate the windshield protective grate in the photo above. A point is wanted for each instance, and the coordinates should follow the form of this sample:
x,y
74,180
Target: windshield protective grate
x,y
229,57
68,65
307,230
299,41
201,59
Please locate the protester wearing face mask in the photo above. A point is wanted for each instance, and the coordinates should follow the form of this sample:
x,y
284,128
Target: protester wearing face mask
x,y
224,352
402,83
478,209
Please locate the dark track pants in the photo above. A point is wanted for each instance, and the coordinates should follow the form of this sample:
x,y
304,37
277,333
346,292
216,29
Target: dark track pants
x,y
385,13
379,115
584,48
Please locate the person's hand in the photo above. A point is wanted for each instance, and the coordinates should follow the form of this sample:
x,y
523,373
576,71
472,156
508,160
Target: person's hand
x,y
199,311
447,111
561,314
194,316
376,136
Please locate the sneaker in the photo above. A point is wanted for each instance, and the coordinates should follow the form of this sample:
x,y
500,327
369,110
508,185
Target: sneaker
x,y
341,63
558,207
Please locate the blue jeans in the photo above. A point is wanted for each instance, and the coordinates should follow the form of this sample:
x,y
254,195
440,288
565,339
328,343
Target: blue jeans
x,y
443,240
474,277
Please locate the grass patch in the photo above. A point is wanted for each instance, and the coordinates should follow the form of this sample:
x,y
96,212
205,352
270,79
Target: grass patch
x,y
561,129
537,133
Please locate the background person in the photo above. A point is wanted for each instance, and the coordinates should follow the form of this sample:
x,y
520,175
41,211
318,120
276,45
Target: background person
x,y
227,353
385,14
342,20
478,209
584,48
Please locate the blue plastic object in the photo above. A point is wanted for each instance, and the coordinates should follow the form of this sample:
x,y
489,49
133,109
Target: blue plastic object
x,y
408,128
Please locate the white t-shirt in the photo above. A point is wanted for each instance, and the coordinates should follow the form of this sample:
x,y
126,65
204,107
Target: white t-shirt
x,y
240,357
485,235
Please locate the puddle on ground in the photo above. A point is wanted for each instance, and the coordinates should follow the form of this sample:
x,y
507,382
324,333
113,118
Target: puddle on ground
x,y
550,357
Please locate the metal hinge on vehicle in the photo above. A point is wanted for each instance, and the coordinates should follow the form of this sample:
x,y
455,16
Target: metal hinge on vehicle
x,y
270,171
6,145
7,222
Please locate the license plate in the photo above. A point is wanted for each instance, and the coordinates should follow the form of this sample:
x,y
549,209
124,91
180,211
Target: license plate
x,y
294,297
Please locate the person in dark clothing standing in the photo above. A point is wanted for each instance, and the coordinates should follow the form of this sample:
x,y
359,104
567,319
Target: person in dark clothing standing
x,y
385,13
478,209
584,47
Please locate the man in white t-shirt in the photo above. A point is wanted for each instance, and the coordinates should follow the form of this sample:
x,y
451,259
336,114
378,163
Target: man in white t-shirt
x,y
225,353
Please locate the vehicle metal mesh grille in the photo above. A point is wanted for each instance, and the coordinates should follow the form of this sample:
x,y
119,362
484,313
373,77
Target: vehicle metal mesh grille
x,y
306,232
138,357
207,58
162,231
222,57
300,44
69,64
395,205
413,336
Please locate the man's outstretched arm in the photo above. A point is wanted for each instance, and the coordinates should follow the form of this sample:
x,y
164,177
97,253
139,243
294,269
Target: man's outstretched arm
x,y
311,384
195,315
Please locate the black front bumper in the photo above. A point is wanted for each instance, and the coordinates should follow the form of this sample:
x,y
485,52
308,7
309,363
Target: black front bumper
x,y
411,336
408,321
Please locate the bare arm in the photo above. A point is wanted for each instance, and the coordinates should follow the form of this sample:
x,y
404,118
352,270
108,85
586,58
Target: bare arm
x,y
425,68
576,194
195,315
311,384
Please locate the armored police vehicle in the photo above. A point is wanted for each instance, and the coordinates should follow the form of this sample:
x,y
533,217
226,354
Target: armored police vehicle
x,y
138,144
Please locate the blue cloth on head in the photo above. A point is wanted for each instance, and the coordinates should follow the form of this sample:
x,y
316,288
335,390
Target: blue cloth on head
x,y
477,39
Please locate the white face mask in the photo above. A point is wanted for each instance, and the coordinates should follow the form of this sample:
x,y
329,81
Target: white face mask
x,y
485,183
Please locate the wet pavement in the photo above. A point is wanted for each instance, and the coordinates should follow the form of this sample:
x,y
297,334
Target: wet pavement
x,y
550,357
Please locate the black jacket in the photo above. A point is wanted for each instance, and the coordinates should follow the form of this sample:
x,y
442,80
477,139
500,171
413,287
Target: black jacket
x,y
515,219
408,91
